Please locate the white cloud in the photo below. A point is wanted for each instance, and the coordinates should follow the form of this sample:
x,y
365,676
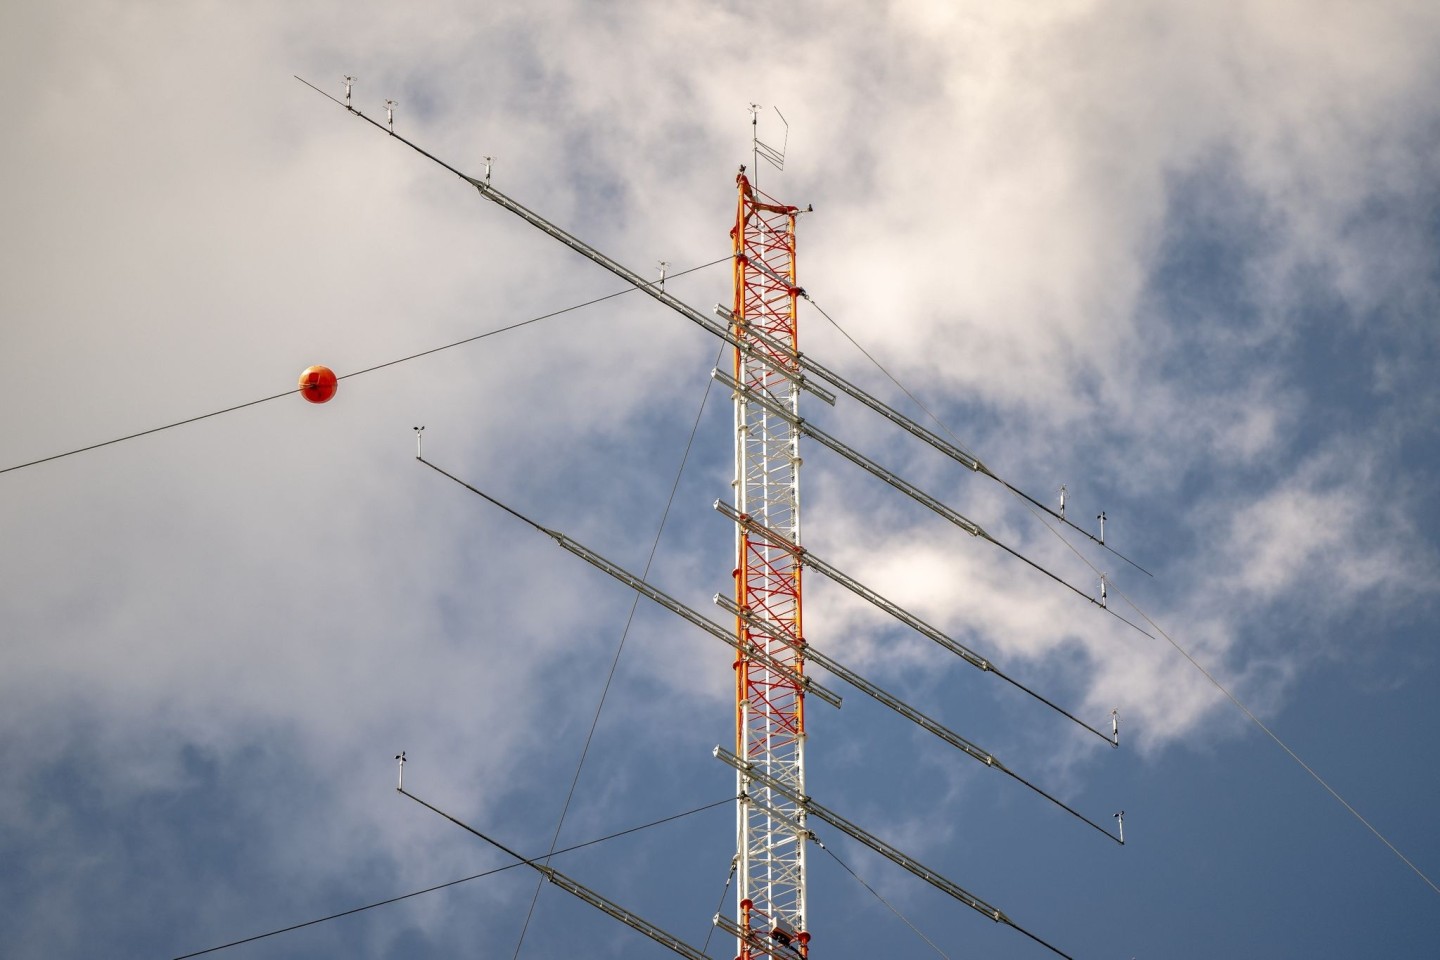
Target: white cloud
x,y
1000,193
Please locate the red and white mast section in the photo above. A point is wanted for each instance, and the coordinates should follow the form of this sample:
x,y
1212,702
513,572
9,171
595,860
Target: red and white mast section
x,y
769,706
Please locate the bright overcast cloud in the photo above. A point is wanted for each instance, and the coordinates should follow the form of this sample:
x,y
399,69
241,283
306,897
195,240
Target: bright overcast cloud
x,y
1181,258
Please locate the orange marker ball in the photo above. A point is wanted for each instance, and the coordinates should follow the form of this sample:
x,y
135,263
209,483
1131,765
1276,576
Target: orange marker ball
x,y
318,384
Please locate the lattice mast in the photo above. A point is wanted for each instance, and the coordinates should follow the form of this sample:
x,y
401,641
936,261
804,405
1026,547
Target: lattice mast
x,y
769,707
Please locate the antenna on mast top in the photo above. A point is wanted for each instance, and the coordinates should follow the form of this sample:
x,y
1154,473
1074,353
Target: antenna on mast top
x,y
390,114
755,138
349,82
759,149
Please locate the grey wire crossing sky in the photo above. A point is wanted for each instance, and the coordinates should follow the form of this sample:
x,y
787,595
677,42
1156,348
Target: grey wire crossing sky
x,y
1182,259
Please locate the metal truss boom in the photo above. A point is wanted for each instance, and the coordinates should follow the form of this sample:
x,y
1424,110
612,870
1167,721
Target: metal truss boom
x,y
909,489
758,625
577,889
809,559
646,589
891,853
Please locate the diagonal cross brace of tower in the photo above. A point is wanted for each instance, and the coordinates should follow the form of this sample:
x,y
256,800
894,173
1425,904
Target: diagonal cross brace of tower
x,y
769,706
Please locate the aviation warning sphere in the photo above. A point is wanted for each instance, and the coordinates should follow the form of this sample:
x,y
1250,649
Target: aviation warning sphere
x,y
318,384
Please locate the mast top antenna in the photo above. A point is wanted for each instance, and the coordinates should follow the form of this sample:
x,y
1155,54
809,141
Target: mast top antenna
x,y
759,149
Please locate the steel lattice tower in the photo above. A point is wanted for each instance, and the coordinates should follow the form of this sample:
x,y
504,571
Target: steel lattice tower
x,y
770,680
769,706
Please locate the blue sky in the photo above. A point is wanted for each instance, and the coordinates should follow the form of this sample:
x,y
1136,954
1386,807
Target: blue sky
x,y
1182,261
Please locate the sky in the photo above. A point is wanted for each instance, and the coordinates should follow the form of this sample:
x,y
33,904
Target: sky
x,y
1182,259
